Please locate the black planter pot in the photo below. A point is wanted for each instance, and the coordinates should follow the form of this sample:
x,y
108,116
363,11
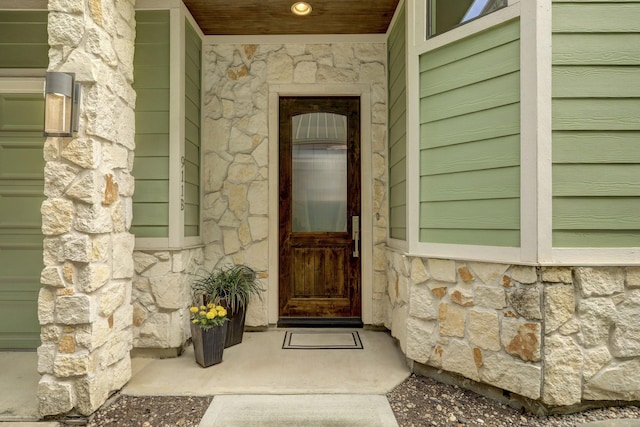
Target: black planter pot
x,y
208,345
235,327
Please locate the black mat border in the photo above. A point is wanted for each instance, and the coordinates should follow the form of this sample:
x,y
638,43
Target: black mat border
x,y
357,341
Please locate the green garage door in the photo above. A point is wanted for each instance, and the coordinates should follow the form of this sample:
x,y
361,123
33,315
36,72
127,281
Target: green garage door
x,y
21,194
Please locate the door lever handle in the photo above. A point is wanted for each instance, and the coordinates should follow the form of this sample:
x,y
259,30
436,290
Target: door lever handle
x,y
355,235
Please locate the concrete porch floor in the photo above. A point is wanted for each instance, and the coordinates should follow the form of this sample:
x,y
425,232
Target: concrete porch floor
x,y
257,366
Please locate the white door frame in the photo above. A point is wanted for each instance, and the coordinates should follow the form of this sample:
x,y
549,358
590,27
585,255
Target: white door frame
x,y
366,220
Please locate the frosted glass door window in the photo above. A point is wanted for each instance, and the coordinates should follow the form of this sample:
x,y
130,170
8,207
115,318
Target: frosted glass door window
x,y
319,177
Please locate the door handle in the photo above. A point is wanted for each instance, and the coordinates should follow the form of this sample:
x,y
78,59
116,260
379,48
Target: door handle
x,y
355,235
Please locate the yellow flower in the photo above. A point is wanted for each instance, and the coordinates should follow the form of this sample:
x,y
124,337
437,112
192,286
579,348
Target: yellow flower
x,y
195,321
222,312
203,313
219,307
211,315
203,321
203,308
193,309
210,306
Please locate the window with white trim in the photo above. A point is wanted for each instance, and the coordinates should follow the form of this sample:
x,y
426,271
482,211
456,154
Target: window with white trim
x,y
444,15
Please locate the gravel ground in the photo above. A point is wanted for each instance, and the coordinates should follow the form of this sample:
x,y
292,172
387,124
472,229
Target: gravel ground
x,y
421,401
417,402
151,411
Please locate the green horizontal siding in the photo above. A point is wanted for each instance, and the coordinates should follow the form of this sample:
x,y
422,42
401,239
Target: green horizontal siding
x,y
596,239
604,17
152,122
481,96
152,99
474,45
596,180
595,213
477,155
397,129
150,231
497,183
155,214
596,49
151,164
191,194
152,191
605,147
24,39
596,124
495,237
152,144
470,140
155,79
490,214
477,126
501,59
596,114
587,80
191,175
152,168
399,223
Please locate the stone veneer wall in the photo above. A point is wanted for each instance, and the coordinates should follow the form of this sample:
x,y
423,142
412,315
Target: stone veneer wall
x,y
161,294
84,306
560,335
236,146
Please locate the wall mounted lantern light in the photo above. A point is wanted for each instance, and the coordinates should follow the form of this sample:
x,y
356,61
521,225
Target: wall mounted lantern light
x,y
61,104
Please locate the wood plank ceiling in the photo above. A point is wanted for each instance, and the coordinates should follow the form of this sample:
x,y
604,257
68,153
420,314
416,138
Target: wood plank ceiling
x,y
257,17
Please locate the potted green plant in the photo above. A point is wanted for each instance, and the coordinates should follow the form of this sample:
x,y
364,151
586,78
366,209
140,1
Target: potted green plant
x,y
230,287
208,333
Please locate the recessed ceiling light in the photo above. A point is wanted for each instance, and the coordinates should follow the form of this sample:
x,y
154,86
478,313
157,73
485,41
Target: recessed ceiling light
x,y
301,8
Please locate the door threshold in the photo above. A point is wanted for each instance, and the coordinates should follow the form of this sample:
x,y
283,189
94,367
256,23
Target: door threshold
x,y
320,322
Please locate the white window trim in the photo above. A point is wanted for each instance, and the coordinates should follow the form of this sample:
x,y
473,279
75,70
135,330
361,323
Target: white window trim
x,y
151,243
414,25
422,44
397,243
594,256
535,130
192,241
176,126
366,220
495,254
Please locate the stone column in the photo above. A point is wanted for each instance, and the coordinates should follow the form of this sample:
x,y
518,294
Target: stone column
x,y
84,306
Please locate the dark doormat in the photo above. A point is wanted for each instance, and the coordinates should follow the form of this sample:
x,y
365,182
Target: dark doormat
x,y
322,340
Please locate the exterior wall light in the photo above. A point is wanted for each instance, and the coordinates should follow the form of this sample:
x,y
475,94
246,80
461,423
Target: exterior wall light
x,y
61,104
301,8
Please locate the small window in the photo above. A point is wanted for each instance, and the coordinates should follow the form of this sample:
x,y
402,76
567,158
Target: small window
x,y
443,15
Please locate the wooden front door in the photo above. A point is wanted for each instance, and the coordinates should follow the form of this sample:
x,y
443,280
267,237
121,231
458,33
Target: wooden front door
x,y
319,210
